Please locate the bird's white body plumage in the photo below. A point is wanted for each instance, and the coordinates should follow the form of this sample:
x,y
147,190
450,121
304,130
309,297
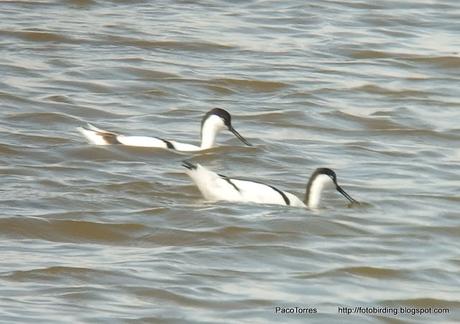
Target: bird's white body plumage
x,y
96,136
216,187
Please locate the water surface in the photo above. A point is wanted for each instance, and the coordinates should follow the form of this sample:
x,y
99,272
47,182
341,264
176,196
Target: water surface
x,y
97,234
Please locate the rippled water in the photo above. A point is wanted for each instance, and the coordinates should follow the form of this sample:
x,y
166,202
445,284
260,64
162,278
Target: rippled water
x,y
93,234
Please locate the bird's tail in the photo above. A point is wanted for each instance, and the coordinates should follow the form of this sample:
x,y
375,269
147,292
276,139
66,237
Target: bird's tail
x,y
98,136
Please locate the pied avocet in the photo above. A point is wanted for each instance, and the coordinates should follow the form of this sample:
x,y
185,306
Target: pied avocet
x,y
212,123
216,187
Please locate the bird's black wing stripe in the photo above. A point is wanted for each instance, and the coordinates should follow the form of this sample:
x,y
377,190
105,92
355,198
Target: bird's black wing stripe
x,y
189,165
229,181
110,138
168,144
286,199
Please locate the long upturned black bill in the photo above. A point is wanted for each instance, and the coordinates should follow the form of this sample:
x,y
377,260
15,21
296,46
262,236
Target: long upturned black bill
x,y
241,138
344,193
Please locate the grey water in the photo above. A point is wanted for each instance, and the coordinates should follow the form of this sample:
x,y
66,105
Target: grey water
x,y
108,233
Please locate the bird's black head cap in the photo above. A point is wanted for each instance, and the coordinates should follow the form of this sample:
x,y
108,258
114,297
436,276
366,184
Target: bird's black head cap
x,y
222,113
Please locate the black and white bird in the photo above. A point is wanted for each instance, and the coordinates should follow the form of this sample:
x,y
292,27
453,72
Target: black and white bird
x,y
216,187
213,122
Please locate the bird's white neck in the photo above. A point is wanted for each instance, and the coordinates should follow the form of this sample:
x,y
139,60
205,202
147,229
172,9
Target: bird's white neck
x,y
315,191
209,130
